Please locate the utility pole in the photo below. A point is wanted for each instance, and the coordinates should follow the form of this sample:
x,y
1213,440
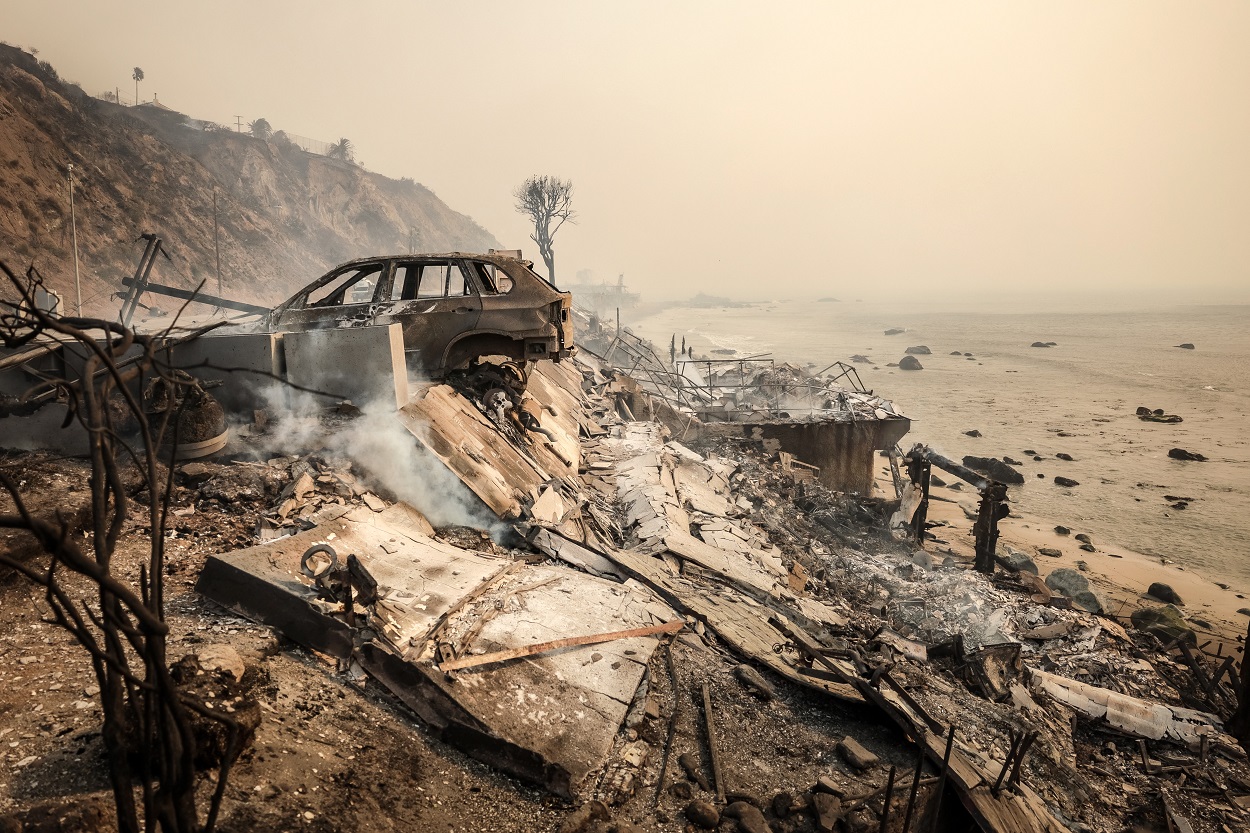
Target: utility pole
x,y
238,124
73,222
216,244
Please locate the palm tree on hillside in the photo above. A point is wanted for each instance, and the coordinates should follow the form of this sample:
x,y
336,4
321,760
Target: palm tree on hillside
x,y
342,149
260,128
138,76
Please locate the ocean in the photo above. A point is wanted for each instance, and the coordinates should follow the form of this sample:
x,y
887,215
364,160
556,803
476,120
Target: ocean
x,y
1077,398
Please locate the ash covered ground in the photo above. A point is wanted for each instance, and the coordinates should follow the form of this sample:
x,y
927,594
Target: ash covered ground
x,y
334,750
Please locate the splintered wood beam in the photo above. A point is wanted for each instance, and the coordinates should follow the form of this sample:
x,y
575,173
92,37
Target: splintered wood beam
x,y
718,773
567,642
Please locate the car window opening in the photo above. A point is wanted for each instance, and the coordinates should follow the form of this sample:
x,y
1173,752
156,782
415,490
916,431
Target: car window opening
x,y
354,286
492,279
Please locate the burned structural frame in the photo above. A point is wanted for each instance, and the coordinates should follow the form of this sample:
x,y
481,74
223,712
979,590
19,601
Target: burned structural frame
x,y
993,507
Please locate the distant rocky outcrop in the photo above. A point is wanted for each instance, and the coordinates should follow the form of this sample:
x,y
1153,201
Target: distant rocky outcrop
x,y
895,331
919,350
283,216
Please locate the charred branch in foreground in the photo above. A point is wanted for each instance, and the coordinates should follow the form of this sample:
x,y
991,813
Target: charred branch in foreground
x,y
147,729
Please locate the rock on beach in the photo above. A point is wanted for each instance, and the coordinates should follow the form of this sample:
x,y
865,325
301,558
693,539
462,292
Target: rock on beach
x,y
910,363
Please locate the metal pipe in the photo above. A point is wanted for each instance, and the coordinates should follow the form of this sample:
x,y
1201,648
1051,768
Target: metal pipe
x,y
941,788
915,787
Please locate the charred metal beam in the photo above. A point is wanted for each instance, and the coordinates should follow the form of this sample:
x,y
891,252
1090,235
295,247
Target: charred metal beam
x,y
920,469
142,272
190,295
961,471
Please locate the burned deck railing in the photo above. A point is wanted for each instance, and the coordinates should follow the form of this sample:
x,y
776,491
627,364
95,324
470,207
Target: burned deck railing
x,y
719,386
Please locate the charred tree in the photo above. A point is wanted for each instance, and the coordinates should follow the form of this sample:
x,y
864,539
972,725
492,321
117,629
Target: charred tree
x,y
147,726
548,202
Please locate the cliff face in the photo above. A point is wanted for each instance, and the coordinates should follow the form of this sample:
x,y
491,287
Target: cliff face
x,y
283,216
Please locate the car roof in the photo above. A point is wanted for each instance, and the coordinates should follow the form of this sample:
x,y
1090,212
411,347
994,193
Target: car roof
x,y
497,259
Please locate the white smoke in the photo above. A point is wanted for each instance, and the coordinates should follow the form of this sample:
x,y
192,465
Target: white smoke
x,y
392,458
386,456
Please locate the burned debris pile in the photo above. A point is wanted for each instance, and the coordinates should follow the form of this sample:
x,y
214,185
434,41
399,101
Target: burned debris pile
x,y
667,608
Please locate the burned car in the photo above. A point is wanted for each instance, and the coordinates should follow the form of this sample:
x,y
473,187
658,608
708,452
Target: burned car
x,y
453,308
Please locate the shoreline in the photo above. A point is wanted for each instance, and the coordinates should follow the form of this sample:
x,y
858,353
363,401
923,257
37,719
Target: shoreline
x,y
1120,574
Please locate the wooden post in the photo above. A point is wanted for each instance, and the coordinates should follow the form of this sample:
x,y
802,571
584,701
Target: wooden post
x,y
993,509
718,775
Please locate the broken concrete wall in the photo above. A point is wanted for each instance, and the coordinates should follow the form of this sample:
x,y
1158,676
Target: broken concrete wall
x,y
244,363
842,450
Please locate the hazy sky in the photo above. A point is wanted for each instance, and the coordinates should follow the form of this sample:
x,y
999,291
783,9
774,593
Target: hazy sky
x,y
753,149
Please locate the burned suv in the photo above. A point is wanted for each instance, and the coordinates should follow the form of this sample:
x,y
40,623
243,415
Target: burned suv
x,y
453,308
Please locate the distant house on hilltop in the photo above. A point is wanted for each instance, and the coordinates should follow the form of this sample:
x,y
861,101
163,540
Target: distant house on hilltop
x,y
155,111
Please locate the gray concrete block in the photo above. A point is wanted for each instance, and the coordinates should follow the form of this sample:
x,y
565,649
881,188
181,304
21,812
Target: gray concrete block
x,y
245,363
363,364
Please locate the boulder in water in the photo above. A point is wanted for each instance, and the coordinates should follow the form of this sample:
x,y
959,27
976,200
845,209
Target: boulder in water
x,y
895,331
910,363
1182,454
974,433
861,359
1063,455
1039,344
1011,461
1066,482
1186,346
919,350
1062,530
956,353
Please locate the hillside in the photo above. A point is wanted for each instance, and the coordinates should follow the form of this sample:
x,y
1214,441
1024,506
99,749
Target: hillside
x,y
285,216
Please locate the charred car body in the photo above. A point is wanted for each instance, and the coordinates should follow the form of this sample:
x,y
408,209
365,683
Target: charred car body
x,y
454,309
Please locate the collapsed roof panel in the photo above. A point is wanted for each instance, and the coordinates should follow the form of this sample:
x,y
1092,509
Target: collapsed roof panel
x,y
550,718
